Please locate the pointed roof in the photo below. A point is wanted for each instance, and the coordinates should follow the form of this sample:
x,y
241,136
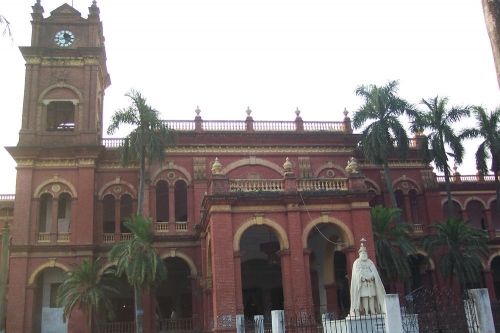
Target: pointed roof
x,y
65,10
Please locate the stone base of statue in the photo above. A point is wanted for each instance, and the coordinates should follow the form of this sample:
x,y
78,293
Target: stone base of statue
x,y
369,323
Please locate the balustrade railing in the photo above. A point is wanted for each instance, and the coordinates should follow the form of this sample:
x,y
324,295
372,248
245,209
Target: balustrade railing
x,y
161,226
417,228
63,237
44,237
175,325
108,237
324,126
7,197
467,178
335,184
180,125
112,142
126,236
256,185
118,327
223,125
181,226
274,126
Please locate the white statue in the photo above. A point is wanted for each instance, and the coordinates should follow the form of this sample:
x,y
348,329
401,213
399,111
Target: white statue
x,y
367,290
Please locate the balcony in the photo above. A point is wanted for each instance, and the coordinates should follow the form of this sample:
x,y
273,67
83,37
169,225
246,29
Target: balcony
x,y
44,237
63,237
108,238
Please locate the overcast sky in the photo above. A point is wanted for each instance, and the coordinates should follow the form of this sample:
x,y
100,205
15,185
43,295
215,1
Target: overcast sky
x,y
271,55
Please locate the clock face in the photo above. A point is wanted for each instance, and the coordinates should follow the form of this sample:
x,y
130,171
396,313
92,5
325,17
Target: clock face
x,y
64,38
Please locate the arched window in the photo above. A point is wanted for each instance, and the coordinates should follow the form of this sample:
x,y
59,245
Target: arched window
x,y
376,198
456,210
108,214
475,214
125,210
162,209
45,213
180,196
415,217
64,212
400,201
60,116
495,215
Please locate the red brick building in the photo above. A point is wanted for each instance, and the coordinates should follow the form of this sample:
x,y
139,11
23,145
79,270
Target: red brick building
x,y
249,216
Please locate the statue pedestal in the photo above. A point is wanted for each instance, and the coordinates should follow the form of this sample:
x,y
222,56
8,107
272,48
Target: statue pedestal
x,y
371,323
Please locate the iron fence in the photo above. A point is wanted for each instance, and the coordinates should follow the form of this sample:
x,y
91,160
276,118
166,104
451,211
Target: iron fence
x,y
438,311
175,325
330,323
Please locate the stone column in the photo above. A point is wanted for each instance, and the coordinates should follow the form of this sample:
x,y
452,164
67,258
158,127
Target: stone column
x,y
278,321
490,223
117,220
238,282
393,322
286,283
53,220
171,207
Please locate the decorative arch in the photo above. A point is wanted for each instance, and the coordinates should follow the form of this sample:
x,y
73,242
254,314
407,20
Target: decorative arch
x,y
258,220
490,202
405,179
56,179
252,161
330,165
474,198
171,166
117,181
443,201
491,257
49,264
432,266
60,85
174,253
374,185
327,219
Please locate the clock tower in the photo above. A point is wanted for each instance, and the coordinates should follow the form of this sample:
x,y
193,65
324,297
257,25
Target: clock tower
x,y
66,76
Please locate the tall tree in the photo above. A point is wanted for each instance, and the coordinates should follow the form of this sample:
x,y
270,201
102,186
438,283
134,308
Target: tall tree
x,y
393,244
86,288
147,141
139,262
487,128
491,9
384,134
438,120
460,249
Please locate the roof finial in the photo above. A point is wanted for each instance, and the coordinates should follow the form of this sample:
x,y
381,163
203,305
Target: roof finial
x,y
249,112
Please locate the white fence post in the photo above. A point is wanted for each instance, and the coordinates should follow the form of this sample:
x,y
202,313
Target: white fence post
x,y
240,323
483,309
278,318
393,321
258,322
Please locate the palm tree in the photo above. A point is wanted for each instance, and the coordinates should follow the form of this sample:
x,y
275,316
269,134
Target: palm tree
x,y
385,134
460,249
138,260
6,26
488,128
438,120
392,243
86,288
147,141
491,9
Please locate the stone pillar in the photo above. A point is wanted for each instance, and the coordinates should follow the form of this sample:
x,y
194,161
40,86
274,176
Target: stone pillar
x,y
490,284
117,220
286,283
278,321
224,285
238,282
171,207
393,322
258,322
483,310
299,277
54,225
490,223
152,203
331,298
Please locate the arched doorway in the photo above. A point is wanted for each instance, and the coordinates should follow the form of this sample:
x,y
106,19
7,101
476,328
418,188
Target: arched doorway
x,y
123,304
420,274
47,316
495,271
261,279
174,297
328,264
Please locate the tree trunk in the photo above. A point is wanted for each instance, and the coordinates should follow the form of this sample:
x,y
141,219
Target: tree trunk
x,y
139,310
491,9
388,184
4,272
449,205
142,174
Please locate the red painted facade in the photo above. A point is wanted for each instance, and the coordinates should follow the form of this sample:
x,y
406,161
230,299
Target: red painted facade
x,y
72,194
